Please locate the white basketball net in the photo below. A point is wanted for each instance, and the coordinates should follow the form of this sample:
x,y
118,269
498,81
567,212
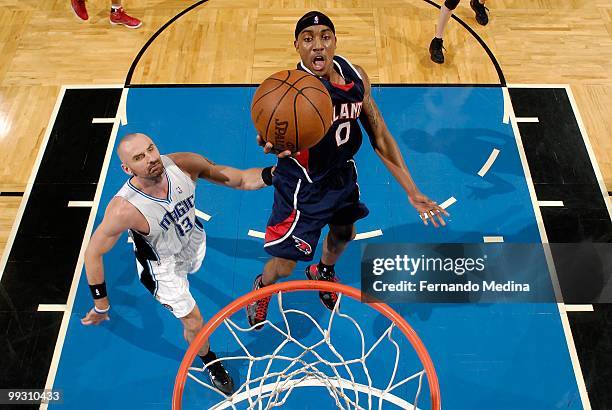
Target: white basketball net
x,y
309,368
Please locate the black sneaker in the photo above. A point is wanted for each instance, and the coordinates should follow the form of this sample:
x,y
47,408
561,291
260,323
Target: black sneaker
x,y
258,310
220,378
328,299
435,50
481,12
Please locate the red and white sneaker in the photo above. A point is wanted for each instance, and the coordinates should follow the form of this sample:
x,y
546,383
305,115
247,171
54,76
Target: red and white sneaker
x,y
119,16
78,6
257,311
328,299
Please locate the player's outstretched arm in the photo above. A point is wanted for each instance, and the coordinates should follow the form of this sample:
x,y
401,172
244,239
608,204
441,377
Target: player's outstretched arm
x,y
196,166
387,149
117,219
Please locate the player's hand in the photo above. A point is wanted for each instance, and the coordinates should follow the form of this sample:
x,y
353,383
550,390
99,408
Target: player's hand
x,y
428,210
93,318
268,148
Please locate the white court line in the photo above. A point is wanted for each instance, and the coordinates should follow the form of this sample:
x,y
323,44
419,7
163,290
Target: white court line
x,y
578,308
79,266
91,86
589,148
51,308
30,183
493,239
203,215
448,202
80,204
550,203
487,165
122,108
527,119
507,105
256,234
370,234
102,120
569,338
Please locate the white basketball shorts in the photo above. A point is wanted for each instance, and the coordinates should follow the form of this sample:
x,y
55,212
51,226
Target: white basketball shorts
x,y
168,277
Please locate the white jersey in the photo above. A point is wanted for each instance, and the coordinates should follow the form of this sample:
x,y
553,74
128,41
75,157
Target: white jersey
x,y
176,243
174,231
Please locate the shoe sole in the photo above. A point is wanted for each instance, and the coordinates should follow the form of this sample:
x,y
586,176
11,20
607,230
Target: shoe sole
x,y
229,392
125,25
258,326
307,272
431,57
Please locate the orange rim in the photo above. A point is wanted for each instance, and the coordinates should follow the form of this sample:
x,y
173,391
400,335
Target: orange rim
x,y
310,285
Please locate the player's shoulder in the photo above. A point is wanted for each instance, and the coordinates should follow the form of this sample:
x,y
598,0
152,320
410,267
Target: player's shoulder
x,y
364,77
362,73
190,163
120,211
345,61
177,158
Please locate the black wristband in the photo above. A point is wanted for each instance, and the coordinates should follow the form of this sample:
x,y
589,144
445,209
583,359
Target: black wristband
x,y
266,175
98,291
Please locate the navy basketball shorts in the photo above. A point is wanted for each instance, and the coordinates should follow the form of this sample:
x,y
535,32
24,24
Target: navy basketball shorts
x,y
301,209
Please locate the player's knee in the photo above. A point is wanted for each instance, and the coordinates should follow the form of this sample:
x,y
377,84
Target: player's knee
x,y
193,322
451,4
283,267
343,233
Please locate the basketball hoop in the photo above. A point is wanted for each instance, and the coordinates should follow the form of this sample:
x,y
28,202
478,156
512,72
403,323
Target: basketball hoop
x,y
299,372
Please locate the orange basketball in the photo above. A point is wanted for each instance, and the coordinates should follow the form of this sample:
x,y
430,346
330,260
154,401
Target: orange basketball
x,y
292,110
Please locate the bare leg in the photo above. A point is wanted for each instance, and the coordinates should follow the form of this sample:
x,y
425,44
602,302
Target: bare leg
x,y
219,377
274,269
192,324
277,268
445,15
334,245
335,242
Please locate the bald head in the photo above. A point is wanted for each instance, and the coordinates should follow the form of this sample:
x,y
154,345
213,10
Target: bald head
x,y
139,156
130,144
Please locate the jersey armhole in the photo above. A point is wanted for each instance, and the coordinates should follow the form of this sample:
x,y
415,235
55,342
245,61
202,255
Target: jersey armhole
x,y
350,65
172,163
140,212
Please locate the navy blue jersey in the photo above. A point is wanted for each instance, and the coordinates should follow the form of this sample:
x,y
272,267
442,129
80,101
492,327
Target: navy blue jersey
x,y
343,139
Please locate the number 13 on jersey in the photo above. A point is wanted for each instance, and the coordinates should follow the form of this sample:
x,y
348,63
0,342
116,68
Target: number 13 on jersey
x,y
185,226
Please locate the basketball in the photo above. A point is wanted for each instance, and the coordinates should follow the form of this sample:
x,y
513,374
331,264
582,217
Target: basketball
x,y
292,110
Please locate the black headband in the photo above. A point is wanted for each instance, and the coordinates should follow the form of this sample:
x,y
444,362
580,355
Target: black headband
x,y
313,18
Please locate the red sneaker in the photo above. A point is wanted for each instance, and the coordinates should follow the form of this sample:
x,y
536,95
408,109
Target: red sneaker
x,y
328,299
258,311
78,6
119,16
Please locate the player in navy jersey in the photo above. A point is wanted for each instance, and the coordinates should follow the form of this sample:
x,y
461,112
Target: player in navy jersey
x,y
318,186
